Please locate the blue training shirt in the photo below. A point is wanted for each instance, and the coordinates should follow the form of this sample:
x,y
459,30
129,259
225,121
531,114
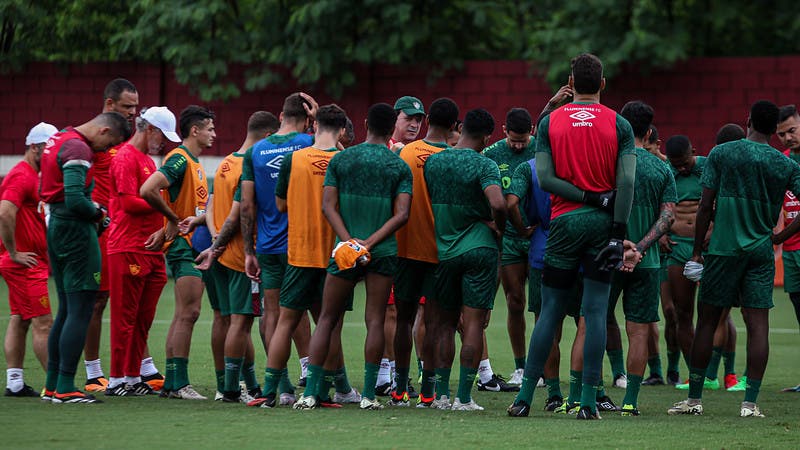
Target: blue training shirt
x,y
537,207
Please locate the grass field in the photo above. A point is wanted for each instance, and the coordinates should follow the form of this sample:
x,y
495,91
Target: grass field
x,y
158,423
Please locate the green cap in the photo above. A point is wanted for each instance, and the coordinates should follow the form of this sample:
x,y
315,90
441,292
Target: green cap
x,y
412,106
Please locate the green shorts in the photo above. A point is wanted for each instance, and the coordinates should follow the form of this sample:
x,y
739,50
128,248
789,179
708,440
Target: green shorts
x,y
413,279
791,271
681,251
233,291
273,268
639,290
302,287
744,280
573,308
575,235
180,259
386,265
515,251
74,254
469,279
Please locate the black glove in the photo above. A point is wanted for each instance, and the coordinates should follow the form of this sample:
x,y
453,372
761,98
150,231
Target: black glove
x,y
602,200
611,257
102,219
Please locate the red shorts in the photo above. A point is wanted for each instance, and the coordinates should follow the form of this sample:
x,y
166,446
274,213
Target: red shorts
x,y
104,280
27,288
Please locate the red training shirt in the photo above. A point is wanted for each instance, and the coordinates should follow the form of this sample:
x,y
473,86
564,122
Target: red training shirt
x,y
21,187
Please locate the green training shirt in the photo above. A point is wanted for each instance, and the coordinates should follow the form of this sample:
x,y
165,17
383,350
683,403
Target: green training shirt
x,y
507,161
750,179
654,186
368,178
688,186
456,179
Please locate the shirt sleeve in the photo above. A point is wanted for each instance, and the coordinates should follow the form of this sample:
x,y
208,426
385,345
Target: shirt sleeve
x,y
237,195
124,174
625,141
521,181
406,181
247,166
489,174
282,185
710,177
330,174
670,193
16,189
543,136
174,168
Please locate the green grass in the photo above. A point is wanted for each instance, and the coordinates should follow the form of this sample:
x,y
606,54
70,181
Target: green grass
x,y
153,422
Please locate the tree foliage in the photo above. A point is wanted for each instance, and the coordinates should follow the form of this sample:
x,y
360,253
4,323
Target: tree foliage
x,y
324,42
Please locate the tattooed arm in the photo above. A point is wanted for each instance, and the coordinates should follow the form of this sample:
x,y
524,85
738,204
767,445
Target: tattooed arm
x,y
662,225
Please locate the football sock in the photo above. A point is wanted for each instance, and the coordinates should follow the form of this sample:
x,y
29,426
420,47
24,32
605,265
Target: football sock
x,y
696,380
392,373
304,367
485,371
428,383
313,380
575,385
419,367
249,374
341,383
132,381
169,375
114,382
233,366
328,377
526,390
219,375
370,378
402,379
465,381
601,389
519,363
729,359
713,363
384,373
53,356
73,337
148,367
442,382
14,380
93,369
751,392
673,361
595,306
654,363
271,379
632,391
284,385
181,373
553,387
617,362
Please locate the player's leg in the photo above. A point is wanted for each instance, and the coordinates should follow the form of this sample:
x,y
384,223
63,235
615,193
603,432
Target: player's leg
x,y
242,312
95,379
512,277
720,342
640,304
14,348
419,336
729,357
406,313
301,338
127,289
216,284
279,350
670,328
152,287
654,358
58,324
383,386
472,340
377,286
683,292
441,320
189,293
614,351
273,269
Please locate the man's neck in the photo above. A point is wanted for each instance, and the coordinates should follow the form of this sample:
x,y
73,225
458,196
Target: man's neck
x,y
756,136
248,142
638,142
291,127
192,146
586,98
139,141
325,140
378,140
437,135
30,158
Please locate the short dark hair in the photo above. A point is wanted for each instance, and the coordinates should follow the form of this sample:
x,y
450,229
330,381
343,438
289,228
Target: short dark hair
x,y
116,87
764,116
677,146
293,107
587,73
262,122
193,115
653,134
443,113
786,112
729,132
381,118
350,130
118,124
478,123
519,120
640,115
331,118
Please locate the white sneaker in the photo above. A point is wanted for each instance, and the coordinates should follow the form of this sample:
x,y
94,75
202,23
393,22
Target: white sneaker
x,y
469,406
540,383
516,377
351,397
683,407
218,396
188,393
304,402
287,399
621,381
245,397
750,409
441,403
370,404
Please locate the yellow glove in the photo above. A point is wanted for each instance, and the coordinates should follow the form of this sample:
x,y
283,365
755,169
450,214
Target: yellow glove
x,y
349,253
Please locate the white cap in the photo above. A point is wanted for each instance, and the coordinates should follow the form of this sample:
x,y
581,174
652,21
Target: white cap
x,y
40,133
163,119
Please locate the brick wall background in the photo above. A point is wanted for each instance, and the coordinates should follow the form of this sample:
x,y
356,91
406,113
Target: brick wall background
x,y
693,98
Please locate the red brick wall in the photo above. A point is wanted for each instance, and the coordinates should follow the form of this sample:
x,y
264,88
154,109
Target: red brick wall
x,y
693,98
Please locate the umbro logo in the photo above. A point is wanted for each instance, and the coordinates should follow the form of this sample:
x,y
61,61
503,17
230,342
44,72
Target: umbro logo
x,y
582,118
225,167
275,162
423,157
321,164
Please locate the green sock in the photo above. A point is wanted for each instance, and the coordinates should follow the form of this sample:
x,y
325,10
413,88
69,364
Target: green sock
x,y
401,378
370,377
654,363
465,381
220,377
328,377
428,383
601,389
66,383
526,390
313,379
51,382
341,382
272,378
284,385
632,391
751,392
713,365
519,363
169,375
729,359
442,382
589,396
575,385
72,337
553,387
181,373
419,367
249,375
696,379
233,366
617,362
673,361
